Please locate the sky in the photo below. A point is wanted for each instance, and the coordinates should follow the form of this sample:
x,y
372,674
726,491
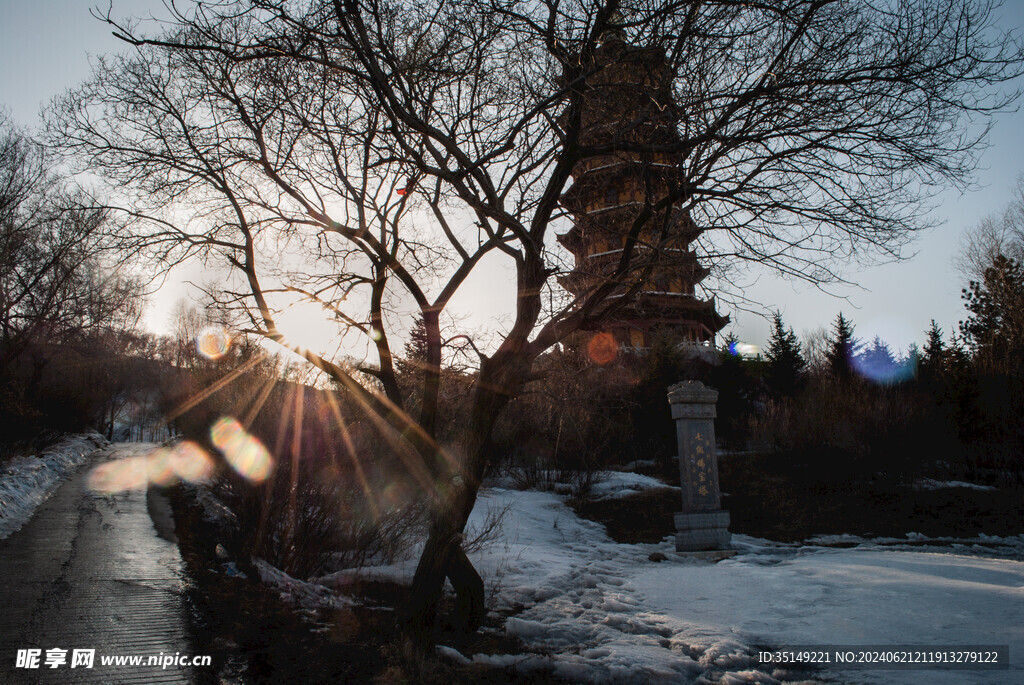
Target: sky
x,y
46,47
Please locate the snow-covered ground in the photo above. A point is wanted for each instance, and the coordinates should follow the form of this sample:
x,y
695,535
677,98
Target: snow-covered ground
x,y
602,611
614,484
26,482
593,610
932,484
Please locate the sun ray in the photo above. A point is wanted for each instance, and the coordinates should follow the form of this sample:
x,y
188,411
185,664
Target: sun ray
x,y
205,393
332,402
282,432
414,465
257,404
282,422
296,450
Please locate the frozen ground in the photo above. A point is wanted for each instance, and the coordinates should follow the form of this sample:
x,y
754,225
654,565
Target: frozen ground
x,y
932,484
593,610
616,484
26,482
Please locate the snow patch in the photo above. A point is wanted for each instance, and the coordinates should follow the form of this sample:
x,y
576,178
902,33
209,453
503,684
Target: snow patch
x,y
27,482
931,484
588,609
213,510
453,654
299,592
614,484
400,572
592,610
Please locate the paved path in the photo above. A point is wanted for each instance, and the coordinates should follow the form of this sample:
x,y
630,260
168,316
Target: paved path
x,y
89,571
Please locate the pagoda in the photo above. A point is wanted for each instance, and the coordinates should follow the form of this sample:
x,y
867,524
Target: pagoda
x,y
628,106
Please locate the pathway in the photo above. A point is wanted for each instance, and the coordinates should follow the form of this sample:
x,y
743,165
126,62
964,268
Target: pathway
x,y
90,571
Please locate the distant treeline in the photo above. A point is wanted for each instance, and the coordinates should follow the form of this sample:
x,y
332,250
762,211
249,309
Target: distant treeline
x,y
832,405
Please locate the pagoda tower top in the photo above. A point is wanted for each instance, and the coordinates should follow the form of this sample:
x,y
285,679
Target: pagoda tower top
x,y
632,195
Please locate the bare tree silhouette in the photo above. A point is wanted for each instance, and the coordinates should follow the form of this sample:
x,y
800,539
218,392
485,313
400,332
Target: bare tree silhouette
x,y
369,155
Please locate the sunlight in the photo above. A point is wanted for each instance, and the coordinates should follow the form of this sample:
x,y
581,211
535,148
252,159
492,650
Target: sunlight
x,y
307,325
332,403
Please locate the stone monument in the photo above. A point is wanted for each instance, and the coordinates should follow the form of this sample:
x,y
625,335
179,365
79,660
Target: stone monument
x,y
702,527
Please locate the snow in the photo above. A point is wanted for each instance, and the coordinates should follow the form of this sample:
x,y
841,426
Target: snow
x,y
400,572
593,610
295,591
931,484
213,510
26,482
613,484
588,609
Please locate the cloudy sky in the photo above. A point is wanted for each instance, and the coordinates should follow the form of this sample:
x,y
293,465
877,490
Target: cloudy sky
x,y
46,46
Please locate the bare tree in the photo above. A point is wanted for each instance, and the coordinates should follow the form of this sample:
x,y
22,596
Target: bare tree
x,y
370,154
999,234
65,311
56,285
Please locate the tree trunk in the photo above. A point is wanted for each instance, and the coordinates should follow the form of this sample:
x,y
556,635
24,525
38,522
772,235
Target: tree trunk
x,y
469,590
431,373
443,555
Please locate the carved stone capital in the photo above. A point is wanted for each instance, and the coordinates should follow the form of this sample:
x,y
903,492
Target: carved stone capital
x,y
691,392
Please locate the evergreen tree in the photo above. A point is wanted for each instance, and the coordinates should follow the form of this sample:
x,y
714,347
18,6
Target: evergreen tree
x,y
934,348
913,360
737,389
729,343
414,354
877,362
842,348
935,359
786,363
958,359
994,331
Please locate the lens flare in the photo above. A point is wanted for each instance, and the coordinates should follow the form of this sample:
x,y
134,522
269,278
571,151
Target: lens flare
x,y
163,466
883,371
130,473
158,467
602,348
190,462
213,342
246,454
393,497
744,350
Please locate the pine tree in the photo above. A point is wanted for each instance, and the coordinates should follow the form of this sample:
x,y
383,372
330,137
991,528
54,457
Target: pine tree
x,y
737,389
842,348
935,359
414,354
934,348
786,363
994,331
913,360
729,343
877,362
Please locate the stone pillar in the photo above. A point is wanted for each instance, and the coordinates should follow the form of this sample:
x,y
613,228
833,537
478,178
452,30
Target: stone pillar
x,y
702,525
